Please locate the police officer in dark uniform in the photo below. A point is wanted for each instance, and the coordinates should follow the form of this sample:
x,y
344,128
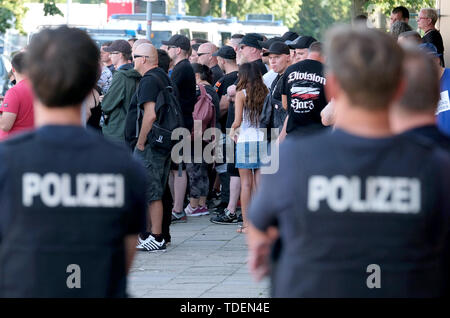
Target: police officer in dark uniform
x,y
71,202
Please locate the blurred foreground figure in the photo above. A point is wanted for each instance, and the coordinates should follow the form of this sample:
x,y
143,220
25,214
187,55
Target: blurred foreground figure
x,y
360,212
71,202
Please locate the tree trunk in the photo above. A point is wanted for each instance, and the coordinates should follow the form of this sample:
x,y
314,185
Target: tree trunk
x,y
205,6
358,7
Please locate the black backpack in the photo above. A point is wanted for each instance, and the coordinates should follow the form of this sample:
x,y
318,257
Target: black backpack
x,y
168,118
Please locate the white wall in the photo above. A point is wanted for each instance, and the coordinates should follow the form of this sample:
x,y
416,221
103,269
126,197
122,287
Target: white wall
x,y
93,15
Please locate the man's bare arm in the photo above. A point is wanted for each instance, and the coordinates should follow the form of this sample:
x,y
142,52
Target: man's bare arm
x,y
147,122
7,120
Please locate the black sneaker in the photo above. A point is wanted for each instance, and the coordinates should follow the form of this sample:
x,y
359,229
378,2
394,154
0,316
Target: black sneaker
x,y
220,209
239,219
226,218
179,217
214,199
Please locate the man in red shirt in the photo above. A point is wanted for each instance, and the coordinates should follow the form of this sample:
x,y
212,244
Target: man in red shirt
x,y
16,111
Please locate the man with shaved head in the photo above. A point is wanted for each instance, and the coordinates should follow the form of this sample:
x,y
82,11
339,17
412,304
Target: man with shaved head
x,y
154,79
205,56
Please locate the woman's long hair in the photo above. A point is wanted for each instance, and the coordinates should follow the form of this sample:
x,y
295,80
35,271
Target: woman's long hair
x,y
204,71
250,79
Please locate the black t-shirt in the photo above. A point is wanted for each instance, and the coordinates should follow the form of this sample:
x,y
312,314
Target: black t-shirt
x,y
434,37
217,73
221,88
150,85
183,78
343,202
276,87
262,67
303,84
73,201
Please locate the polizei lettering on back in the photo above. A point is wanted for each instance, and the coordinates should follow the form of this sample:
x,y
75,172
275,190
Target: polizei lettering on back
x,y
86,190
379,194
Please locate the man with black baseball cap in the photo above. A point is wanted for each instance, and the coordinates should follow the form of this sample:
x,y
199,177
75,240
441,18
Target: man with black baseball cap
x,y
123,86
289,36
226,58
270,76
301,46
279,59
303,93
183,78
250,50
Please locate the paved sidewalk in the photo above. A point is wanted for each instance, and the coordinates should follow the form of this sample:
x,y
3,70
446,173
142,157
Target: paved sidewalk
x,y
204,260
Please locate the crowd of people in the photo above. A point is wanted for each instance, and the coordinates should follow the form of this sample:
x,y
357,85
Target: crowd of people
x,y
101,156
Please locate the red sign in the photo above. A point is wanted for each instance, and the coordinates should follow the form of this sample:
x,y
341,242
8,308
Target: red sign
x,y
119,7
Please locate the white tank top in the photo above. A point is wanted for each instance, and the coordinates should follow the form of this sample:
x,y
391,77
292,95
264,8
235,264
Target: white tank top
x,y
248,131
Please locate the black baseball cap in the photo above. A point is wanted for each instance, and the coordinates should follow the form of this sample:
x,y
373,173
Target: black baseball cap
x,y
289,36
303,43
180,41
252,39
278,48
121,46
268,43
226,52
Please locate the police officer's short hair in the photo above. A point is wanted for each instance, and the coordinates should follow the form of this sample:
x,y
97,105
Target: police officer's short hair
x,y
367,64
422,91
63,66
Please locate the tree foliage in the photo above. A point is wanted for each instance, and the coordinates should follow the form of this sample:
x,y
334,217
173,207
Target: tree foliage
x,y
316,16
12,13
286,10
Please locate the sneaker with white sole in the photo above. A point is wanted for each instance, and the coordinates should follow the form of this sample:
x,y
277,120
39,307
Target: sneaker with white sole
x,y
178,217
199,211
152,245
226,218
188,209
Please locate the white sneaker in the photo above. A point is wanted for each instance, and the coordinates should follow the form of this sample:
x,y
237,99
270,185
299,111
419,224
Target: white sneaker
x,y
152,245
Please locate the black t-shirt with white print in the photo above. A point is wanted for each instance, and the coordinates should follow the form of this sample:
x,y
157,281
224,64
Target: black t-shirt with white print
x,y
303,84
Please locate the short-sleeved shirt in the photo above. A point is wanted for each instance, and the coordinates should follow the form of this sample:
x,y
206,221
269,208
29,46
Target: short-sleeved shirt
x,y
19,100
434,37
73,201
150,85
221,88
262,67
303,84
183,78
443,110
217,73
343,202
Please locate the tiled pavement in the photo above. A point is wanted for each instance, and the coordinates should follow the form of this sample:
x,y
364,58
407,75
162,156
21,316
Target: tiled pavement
x,y
205,260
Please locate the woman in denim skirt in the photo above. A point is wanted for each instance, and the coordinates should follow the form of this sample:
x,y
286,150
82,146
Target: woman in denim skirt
x,y
250,94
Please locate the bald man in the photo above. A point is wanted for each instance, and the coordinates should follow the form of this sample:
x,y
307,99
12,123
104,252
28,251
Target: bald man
x,y
145,58
139,42
205,52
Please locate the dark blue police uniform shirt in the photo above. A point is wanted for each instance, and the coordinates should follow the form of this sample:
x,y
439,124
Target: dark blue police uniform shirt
x,y
67,196
344,202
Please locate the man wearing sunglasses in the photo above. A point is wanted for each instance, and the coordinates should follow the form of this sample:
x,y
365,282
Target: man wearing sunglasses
x,y
205,56
178,48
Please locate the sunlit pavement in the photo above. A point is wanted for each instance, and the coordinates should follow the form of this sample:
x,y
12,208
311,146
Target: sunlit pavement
x,y
204,260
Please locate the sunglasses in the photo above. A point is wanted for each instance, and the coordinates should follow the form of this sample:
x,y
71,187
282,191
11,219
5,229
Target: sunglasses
x,y
171,47
115,52
138,56
200,54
